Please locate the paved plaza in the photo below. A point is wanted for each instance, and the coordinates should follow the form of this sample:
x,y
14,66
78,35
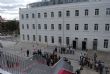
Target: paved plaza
x,y
21,48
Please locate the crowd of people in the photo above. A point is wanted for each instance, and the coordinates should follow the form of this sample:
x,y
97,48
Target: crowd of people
x,y
85,61
51,58
64,50
93,63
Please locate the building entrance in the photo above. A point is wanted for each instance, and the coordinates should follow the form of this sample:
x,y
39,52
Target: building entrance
x,y
83,45
95,44
74,44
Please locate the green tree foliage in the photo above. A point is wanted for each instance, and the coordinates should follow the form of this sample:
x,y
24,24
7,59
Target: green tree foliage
x,y
9,27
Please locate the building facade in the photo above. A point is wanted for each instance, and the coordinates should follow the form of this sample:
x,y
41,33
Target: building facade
x,y
82,24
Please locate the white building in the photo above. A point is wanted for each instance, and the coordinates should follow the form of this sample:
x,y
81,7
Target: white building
x,y
83,24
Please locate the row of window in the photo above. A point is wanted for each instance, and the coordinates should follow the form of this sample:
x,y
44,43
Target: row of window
x,y
107,26
28,37
96,12
33,26
60,40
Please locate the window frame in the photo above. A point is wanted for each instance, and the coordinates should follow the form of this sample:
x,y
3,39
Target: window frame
x,y
45,14
68,13
39,15
52,14
59,26
85,27
52,39
96,11
107,27
76,26
106,41
59,14
86,12
67,26
33,15
45,26
34,38
52,27
96,27
107,11
27,16
76,12
39,26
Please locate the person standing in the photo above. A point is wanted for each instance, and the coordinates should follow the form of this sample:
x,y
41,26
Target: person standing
x,y
95,57
77,71
106,70
27,53
100,68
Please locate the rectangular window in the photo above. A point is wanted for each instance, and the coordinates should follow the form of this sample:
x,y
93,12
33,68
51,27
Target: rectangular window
x,y
34,38
60,40
52,39
27,26
33,15
96,27
22,26
59,26
22,16
39,15
67,13
76,38
39,26
52,14
107,11
59,14
45,26
105,43
52,26
45,15
67,26
27,16
76,26
85,26
85,39
39,38
96,11
33,26
23,37
27,37
107,27
67,40
86,12
76,12
45,38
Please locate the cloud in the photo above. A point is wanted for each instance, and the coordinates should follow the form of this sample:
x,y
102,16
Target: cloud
x,y
7,1
10,8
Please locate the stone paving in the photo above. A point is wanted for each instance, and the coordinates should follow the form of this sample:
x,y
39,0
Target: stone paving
x,y
16,49
88,71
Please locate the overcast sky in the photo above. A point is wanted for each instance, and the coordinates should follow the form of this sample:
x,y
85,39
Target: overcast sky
x,y
9,9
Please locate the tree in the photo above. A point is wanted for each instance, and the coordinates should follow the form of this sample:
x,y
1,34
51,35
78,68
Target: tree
x,y
9,27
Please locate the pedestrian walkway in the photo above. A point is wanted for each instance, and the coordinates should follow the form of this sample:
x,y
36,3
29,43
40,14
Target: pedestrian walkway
x,y
74,58
88,71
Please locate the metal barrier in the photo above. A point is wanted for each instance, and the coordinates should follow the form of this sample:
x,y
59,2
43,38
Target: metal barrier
x,y
36,64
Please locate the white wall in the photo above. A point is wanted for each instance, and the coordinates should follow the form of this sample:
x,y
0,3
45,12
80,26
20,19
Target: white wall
x,y
91,19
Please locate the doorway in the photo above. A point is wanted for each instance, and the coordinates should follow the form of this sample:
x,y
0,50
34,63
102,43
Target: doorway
x,y
83,45
74,44
95,42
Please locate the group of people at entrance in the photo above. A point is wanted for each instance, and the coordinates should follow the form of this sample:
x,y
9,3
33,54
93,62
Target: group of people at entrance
x,y
51,58
95,64
64,50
